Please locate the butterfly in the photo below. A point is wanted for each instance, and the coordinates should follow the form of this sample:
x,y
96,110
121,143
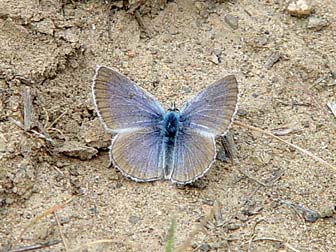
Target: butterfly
x,y
150,143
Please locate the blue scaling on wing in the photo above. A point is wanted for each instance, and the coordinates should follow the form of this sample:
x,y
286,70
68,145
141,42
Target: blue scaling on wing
x,y
121,104
135,116
201,119
138,154
193,155
213,108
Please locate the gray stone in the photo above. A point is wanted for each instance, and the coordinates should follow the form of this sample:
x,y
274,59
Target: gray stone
x,y
77,150
232,21
316,23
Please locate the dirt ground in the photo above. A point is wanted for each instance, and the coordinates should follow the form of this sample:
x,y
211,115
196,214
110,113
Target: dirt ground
x,y
286,68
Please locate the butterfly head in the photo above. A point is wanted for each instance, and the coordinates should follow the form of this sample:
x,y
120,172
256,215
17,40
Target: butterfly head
x,y
173,107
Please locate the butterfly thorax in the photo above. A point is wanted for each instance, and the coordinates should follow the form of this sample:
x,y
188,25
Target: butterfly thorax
x,y
170,124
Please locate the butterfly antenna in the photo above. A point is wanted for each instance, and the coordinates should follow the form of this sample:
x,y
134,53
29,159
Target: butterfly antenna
x,y
173,107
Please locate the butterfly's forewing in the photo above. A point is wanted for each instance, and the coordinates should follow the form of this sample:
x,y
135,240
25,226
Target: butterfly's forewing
x,y
121,104
137,154
213,108
208,114
193,155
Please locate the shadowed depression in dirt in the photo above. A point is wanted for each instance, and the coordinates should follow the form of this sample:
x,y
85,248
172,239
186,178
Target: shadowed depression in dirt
x,y
58,189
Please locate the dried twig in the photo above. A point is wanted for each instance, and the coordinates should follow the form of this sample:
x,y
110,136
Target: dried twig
x,y
47,212
253,178
148,31
127,244
61,232
261,183
34,132
197,229
36,246
277,240
47,117
27,108
55,121
252,194
307,214
218,213
229,146
253,239
49,128
27,122
253,233
288,143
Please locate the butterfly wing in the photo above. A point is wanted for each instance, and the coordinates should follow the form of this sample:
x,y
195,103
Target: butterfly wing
x,y
137,154
206,115
193,155
213,108
121,104
134,115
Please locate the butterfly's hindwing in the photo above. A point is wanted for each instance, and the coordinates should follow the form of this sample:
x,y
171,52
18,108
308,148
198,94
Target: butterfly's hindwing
x,y
138,154
193,155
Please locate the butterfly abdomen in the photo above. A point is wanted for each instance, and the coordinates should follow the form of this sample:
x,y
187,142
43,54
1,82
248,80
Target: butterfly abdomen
x,y
169,130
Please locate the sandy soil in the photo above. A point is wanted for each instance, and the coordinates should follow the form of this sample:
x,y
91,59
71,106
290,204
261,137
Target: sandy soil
x,y
287,74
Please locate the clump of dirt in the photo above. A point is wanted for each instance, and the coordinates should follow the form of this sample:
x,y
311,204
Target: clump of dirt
x,y
272,198
144,7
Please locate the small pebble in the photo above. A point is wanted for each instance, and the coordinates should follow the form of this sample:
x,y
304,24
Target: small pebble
x,y
216,55
232,21
2,145
316,23
204,247
328,211
9,201
243,217
186,89
218,213
233,226
272,59
214,59
202,9
134,219
261,41
45,26
2,202
310,216
217,52
221,156
332,107
77,150
299,8
305,124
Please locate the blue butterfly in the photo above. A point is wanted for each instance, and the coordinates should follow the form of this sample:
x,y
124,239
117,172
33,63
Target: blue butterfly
x,y
153,144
